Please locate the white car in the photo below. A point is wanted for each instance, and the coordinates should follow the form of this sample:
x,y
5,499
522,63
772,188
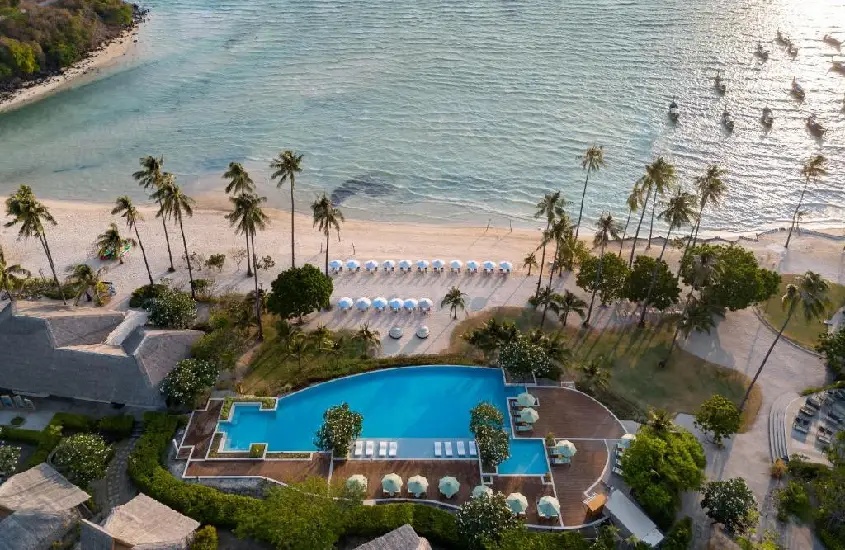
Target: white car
x,y
423,332
395,333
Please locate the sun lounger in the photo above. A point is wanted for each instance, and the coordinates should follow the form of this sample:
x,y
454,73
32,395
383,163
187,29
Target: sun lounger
x,y
824,439
461,448
815,402
809,411
617,471
393,448
7,401
382,448
29,404
448,446
524,427
559,461
800,428
438,448
473,450
18,401
371,447
359,448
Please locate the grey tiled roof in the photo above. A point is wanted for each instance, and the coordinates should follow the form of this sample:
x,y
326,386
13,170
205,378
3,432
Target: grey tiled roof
x,y
403,538
35,529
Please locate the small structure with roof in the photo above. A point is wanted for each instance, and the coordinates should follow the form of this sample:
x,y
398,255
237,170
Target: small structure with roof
x,y
627,515
403,538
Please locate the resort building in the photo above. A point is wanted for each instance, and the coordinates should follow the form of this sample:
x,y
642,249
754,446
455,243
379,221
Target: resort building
x,y
633,521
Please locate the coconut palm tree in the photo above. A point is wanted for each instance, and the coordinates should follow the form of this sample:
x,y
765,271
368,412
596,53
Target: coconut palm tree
x,y
606,228
710,187
679,212
633,203
550,208
548,300
594,374
327,217
11,275
370,339
810,293
592,161
814,169
112,241
150,177
660,420
529,262
644,184
662,175
247,217
127,210
285,167
240,184
454,299
83,276
570,303
26,210
174,204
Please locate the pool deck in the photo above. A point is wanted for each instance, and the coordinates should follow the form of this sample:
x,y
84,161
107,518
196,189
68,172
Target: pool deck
x,y
566,413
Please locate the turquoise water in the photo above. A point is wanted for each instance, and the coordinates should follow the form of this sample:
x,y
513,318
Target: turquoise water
x,y
450,111
528,457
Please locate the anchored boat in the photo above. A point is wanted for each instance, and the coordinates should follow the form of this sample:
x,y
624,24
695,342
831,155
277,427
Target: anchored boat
x,y
797,90
727,120
815,127
767,119
718,84
674,113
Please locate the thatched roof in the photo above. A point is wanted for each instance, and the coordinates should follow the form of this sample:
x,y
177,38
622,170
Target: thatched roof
x,y
35,529
40,488
403,538
140,522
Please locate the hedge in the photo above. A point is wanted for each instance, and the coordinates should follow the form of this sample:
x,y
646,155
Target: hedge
x,y
74,422
438,526
117,426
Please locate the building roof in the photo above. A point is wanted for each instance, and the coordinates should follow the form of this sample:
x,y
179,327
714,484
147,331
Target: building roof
x,y
40,488
632,518
35,529
403,538
141,522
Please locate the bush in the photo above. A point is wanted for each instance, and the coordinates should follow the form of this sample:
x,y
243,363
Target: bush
x,y
222,346
9,456
82,458
793,500
205,539
806,471
172,310
485,519
73,423
256,450
299,291
116,427
216,261
341,425
147,292
779,469
680,536
187,380
203,288
18,421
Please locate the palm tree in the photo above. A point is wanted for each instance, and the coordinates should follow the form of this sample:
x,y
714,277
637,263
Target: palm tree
x,y
174,204
529,262
814,169
679,212
112,241
285,167
594,374
662,175
299,344
710,190
569,302
551,207
557,233
11,275
84,277
633,203
810,292
644,184
454,299
31,214
327,217
127,210
370,339
248,218
660,420
150,177
592,161
547,299
240,184
606,228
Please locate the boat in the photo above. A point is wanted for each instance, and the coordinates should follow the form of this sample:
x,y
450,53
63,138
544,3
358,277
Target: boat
x,y
761,53
797,90
832,41
674,113
815,127
727,121
767,119
782,40
718,84
838,66
792,49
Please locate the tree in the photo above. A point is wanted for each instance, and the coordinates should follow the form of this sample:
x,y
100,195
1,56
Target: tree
x,y
175,205
11,275
529,262
31,214
718,415
327,217
112,242
644,185
660,421
592,161
663,178
570,303
205,538
150,178
831,345
607,278
493,446
285,167
247,217
547,299
9,457
84,277
710,190
188,379
730,503
595,376
454,299
606,228
485,414
550,208
341,426
127,210
239,183
370,339
633,203
522,358
665,291
82,458
482,520
557,234
571,252
299,291
172,309
491,336
814,169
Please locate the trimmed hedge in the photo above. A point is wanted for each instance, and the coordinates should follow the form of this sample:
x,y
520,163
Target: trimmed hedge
x,y
74,422
116,426
438,526
147,292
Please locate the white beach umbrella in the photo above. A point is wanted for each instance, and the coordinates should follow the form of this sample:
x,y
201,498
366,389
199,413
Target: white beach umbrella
x,y
456,264
422,264
379,302
481,490
525,399
438,264
345,303
506,266
357,481
517,503
391,483
411,304
363,304
425,304
417,485
449,486
528,415
488,264
564,448
627,439
396,303
405,264
371,265
472,264
389,264
335,264
548,507
353,264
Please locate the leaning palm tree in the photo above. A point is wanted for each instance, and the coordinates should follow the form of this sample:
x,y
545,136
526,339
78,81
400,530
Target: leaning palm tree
x,y
327,217
285,167
592,161
660,420
547,300
83,277
551,208
247,217
175,205
112,242
594,374
454,299
633,203
570,303
557,234
127,210
239,183
26,210
150,177
645,185
370,339
662,174
814,169
810,293
679,212
710,190
11,275
529,262
606,228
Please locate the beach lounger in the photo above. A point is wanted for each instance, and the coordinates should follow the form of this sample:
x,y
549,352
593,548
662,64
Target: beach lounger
x,y
824,439
393,448
461,449
438,448
809,411
359,448
473,450
448,446
524,427
617,471
800,428
7,401
382,448
371,447
27,403
18,401
559,461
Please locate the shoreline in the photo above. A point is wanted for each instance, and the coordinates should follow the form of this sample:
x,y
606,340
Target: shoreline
x,y
83,71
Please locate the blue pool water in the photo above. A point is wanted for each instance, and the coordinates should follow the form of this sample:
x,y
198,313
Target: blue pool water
x,y
528,457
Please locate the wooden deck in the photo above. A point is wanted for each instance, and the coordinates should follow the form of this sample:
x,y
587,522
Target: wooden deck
x,y
201,430
533,488
571,481
569,414
284,471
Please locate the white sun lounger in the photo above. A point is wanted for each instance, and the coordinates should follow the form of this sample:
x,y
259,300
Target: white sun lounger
x,y
448,446
461,449
438,448
393,448
359,448
382,448
371,447
473,450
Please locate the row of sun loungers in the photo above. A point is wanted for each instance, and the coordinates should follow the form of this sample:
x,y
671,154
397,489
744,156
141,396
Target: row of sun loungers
x,y
422,266
442,449
368,448
16,402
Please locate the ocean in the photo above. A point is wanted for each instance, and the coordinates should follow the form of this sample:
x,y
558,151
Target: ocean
x,y
453,112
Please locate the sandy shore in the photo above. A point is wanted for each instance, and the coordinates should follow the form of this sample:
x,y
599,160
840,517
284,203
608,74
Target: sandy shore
x,y
79,73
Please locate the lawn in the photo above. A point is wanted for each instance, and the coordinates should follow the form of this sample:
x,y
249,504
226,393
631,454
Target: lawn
x,y
636,377
799,329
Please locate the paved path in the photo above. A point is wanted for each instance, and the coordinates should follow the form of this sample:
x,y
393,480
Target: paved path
x,y
119,487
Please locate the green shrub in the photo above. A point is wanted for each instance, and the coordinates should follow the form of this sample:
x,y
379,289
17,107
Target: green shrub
x,y
793,500
679,536
147,292
187,380
205,539
82,458
73,423
223,346
438,526
18,421
256,450
806,471
117,426
172,310
19,435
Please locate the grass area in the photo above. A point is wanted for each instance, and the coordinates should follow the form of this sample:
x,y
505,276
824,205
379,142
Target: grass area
x,y
681,386
799,329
